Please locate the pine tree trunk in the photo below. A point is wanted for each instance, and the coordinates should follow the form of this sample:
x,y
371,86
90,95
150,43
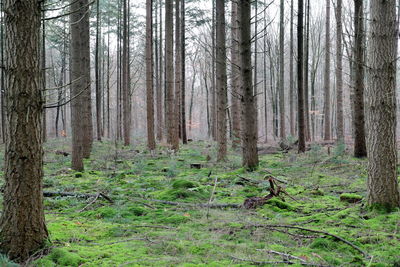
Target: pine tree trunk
x,y
221,80
339,73
178,76
151,142
235,76
98,74
249,123
300,84
291,74
159,90
126,106
282,71
360,149
183,73
383,189
22,224
169,75
306,72
327,98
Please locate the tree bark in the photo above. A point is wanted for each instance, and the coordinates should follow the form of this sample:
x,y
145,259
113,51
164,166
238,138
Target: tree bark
x,y
235,76
249,123
151,142
380,109
221,80
183,74
126,94
291,73
339,73
300,84
98,74
22,224
360,149
282,71
327,98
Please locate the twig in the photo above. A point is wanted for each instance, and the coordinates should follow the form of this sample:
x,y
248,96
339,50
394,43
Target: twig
x,y
201,205
90,203
211,196
315,231
78,195
277,262
287,256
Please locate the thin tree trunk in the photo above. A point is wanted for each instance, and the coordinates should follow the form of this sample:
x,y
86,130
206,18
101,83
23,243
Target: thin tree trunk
x,y
306,72
151,142
339,73
98,73
221,80
183,74
360,149
281,71
126,77
22,224
249,124
300,84
327,98
235,76
383,189
291,72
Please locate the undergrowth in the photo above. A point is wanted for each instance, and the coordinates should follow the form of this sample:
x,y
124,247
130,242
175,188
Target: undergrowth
x,y
327,193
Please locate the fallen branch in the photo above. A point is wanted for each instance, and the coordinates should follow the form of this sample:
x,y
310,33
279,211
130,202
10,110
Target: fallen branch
x,y
90,203
276,262
77,195
315,231
285,255
201,205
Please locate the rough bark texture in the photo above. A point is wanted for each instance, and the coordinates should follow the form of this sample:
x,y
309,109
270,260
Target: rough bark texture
x,y
84,40
381,105
159,95
281,71
99,126
80,87
126,95
327,97
235,77
178,76
249,124
300,84
151,142
306,71
22,225
169,75
360,148
183,73
221,80
339,73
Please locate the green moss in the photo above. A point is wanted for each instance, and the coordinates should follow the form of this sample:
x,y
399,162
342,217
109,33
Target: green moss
x,y
183,184
64,258
323,244
78,174
280,204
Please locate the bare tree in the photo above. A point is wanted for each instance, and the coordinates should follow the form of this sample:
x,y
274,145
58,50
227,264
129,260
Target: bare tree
x,y
327,98
300,84
339,72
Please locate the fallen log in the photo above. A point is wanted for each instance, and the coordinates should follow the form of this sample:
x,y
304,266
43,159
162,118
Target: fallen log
x,y
194,205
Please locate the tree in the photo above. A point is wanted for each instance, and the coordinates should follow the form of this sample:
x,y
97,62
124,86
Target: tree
x,y
235,76
151,142
81,118
22,224
300,84
126,88
339,73
169,77
291,72
380,99
98,74
183,73
249,124
282,71
360,148
327,98
221,80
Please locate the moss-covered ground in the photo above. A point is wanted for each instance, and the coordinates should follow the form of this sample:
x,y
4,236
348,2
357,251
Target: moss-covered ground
x,y
327,193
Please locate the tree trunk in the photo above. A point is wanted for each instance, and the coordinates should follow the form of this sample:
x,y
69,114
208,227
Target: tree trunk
x,y
300,84
281,71
360,149
327,98
339,73
126,103
249,123
178,76
380,109
22,224
291,73
80,87
159,95
221,80
183,74
151,142
169,76
306,72
235,77
98,73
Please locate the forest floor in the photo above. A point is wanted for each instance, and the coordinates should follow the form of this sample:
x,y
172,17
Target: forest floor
x,y
315,225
